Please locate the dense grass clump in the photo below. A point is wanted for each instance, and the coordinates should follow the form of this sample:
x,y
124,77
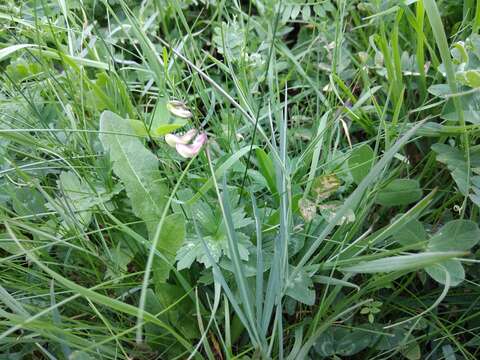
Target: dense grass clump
x,y
256,179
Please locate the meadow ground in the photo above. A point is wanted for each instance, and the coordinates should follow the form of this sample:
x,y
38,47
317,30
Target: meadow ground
x,y
263,179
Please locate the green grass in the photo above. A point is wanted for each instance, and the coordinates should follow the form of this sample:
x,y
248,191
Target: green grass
x,y
333,211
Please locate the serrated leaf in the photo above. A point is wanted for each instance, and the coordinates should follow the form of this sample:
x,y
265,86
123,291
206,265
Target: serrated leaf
x,y
136,167
229,39
399,192
474,342
214,233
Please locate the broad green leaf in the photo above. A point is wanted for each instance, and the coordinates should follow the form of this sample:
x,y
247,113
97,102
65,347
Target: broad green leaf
x,y
458,166
412,233
432,129
401,339
301,288
153,306
360,162
469,105
399,192
403,262
171,239
440,90
119,260
456,235
80,198
454,268
456,163
473,78
136,166
27,201
343,341
229,39
10,246
76,195
214,232
109,92
182,313
474,342
20,71
138,127
167,128
274,219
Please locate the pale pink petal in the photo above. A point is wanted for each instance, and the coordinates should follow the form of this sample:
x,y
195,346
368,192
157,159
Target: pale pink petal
x,y
200,139
188,136
185,151
188,151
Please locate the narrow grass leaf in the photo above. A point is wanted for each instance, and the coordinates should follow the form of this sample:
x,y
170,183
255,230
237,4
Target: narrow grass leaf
x,y
403,262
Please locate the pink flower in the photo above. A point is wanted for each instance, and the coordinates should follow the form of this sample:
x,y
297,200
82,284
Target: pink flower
x,y
181,143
